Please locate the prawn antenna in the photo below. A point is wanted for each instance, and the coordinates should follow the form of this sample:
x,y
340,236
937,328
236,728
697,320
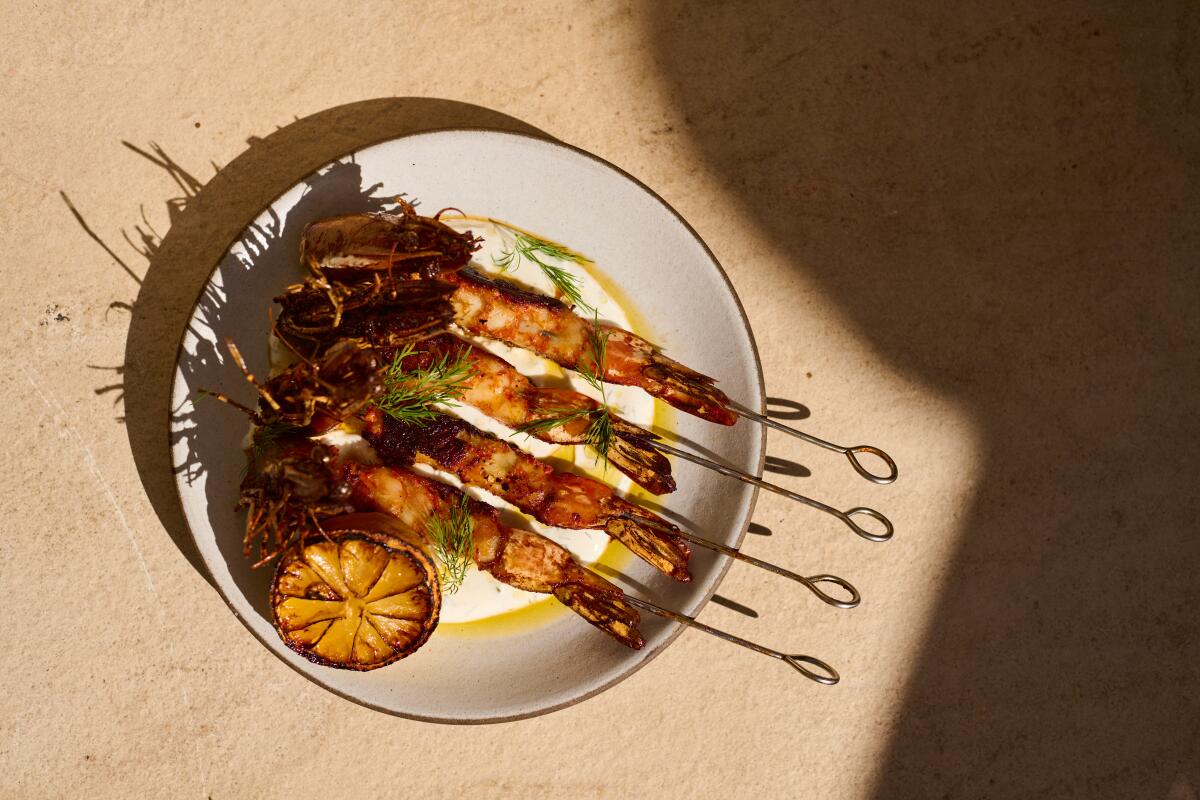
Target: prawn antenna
x,y
227,400
241,362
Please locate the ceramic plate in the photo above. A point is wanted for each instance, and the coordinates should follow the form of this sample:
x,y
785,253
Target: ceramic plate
x,y
637,241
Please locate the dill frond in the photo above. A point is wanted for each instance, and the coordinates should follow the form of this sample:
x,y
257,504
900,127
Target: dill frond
x,y
411,395
266,438
599,434
527,247
598,342
557,418
264,443
453,542
565,281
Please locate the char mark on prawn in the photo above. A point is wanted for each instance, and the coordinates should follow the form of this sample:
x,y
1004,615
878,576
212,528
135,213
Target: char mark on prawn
x,y
515,296
560,499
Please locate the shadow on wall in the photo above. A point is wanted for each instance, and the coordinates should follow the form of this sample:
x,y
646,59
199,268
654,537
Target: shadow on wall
x,y
204,222
1005,203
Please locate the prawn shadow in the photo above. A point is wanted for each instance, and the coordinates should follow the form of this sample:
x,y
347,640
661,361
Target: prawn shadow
x,y
620,578
674,436
674,516
205,437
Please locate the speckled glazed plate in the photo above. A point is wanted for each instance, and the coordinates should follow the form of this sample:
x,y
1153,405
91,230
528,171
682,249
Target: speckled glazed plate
x,y
637,241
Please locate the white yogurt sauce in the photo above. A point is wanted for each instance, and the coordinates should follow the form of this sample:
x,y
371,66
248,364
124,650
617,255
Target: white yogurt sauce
x,y
482,596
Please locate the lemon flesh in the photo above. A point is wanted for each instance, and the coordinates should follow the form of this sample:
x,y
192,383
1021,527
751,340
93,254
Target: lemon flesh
x,y
354,602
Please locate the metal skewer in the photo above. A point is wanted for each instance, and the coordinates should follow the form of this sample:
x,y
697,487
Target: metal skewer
x,y
850,453
797,662
810,582
745,477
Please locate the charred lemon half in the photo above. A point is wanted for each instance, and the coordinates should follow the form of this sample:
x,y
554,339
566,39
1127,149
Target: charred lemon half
x,y
355,602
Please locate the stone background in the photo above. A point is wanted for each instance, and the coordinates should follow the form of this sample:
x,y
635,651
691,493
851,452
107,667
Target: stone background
x,y
968,234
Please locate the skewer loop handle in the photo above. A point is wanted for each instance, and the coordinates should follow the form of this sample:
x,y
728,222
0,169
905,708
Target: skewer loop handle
x,y
848,518
841,583
852,454
830,676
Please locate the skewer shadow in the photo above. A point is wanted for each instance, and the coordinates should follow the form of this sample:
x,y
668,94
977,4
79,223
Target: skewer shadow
x,y
734,605
203,221
782,408
674,436
782,466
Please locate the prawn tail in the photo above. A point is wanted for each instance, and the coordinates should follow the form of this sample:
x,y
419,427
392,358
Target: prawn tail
x,y
651,539
687,390
604,608
633,452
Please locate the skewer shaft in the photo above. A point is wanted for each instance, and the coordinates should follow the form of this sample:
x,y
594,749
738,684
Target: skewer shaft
x,y
801,663
744,477
851,453
811,583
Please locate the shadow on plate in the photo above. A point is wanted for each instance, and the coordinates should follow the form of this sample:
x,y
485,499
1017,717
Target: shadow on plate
x,y
203,224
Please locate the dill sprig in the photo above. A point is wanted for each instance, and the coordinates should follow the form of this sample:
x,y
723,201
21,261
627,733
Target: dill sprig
x,y
411,395
265,439
264,443
599,433
594,373
525,246
452,536
556,417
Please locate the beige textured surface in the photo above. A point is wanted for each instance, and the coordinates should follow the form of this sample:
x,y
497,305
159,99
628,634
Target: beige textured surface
x,y
970,238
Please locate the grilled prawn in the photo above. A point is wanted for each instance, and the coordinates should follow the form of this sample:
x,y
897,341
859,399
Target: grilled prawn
x,y
561,499
356,244
293,483
345,249
315,314
496,388
499,309
519,558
